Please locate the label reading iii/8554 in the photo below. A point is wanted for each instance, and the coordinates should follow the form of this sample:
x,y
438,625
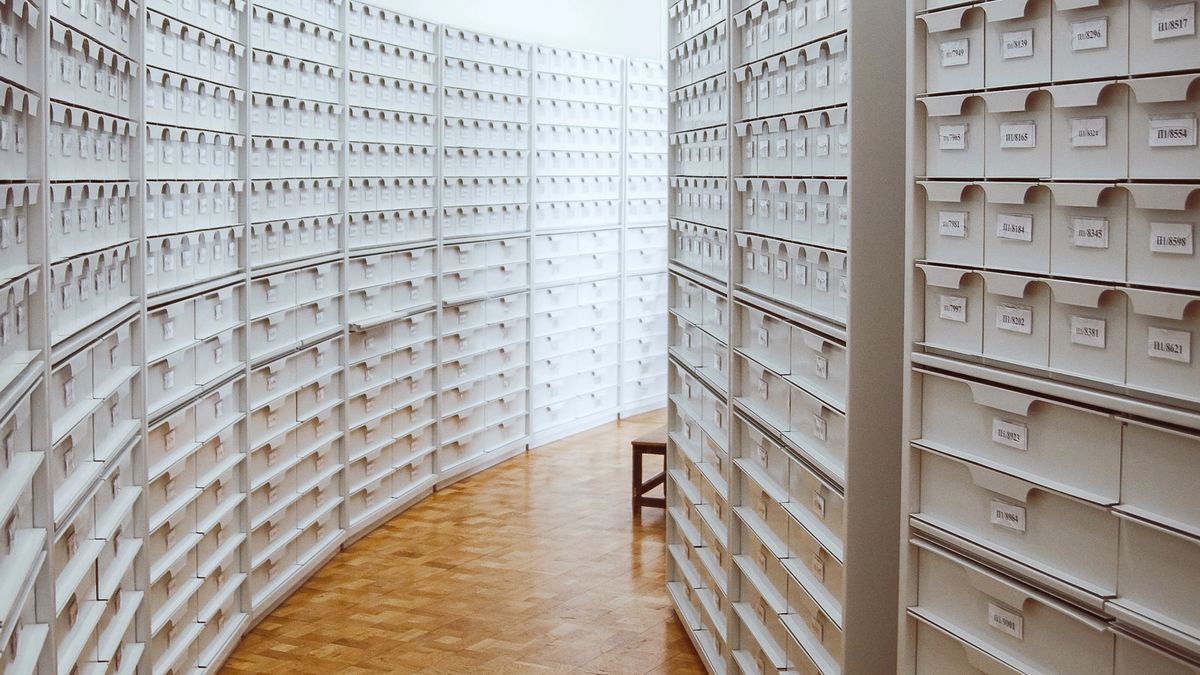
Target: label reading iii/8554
x,y
1173,131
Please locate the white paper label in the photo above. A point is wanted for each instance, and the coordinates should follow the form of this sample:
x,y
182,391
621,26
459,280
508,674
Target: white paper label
x,y
1088,332
1172,22
1010,434
1089,233
1170,345
1015,318
1016,44
956,53
1006,621
1089,132
1014,226
952,137
953,308
1008,515
1018,135
1172,238
1090,34
952,224
1173,131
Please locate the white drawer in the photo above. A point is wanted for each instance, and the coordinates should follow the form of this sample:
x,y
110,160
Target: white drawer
x,y
413,357
317,282
507,382
372,342
507,252
1056,445
954,49
1021,522
369,405
463,316
366,271
1003,617
171,436
272,293
267,458
271,419
1152,593
170,328
271,333
507,307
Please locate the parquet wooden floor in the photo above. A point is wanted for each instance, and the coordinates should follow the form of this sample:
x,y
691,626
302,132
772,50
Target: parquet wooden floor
x,y
534,566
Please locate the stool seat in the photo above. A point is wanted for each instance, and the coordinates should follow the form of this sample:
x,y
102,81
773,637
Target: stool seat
x,y
653,443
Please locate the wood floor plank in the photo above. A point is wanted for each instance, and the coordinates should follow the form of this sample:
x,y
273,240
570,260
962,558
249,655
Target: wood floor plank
x,y
535,566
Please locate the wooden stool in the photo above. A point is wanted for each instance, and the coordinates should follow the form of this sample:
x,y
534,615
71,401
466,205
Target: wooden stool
x,y
654,443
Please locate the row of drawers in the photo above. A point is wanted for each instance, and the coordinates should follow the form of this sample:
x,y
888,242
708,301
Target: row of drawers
x,y
765,30
380,24
1140,129
804,211
182,259
701,200
475,221
811,144
88,287
295,239
223,17
172,207
804,276
483,76
586,64
991,44
1138,338
817,76
82,145
700,105
1003,626
171,45
376,91
383,228
583,89
1143,234
88,74
294,77
392,127
700,247
183,101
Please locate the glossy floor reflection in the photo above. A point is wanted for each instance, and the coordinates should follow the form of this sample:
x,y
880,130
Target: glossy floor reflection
x,y
535,566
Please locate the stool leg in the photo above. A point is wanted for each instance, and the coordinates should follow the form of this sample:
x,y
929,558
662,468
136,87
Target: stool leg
x,y
637,479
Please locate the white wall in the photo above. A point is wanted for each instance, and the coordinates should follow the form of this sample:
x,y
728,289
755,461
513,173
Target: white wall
x,y
630,28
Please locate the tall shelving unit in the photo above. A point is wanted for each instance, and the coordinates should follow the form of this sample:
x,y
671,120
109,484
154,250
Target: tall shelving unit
x,y
783,483
1054,415
269,277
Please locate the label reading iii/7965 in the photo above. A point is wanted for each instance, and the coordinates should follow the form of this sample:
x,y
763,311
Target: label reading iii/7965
x,y
952,137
